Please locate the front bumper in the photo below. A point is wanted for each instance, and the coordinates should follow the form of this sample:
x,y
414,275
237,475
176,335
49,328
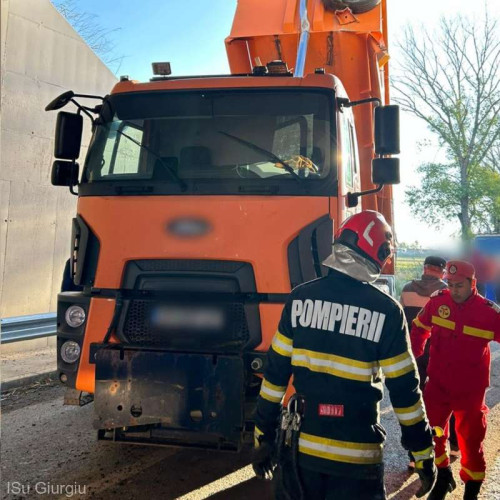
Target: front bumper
x,y
174,398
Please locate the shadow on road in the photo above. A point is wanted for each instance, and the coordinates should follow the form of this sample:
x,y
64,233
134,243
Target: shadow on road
x,y
174,473
249,490
395,484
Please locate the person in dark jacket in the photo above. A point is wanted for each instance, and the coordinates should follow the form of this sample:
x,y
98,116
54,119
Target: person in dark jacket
x,y
335,336
416,293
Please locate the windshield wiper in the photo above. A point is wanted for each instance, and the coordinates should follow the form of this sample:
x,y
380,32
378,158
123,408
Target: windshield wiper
x,y
167,167
265,152
134,190
260,189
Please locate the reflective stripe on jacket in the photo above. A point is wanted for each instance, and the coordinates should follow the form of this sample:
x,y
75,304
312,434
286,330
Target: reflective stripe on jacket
x,y
460,333
337,337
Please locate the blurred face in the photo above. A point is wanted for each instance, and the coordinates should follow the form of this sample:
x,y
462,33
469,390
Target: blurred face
x,y
433,271
461,290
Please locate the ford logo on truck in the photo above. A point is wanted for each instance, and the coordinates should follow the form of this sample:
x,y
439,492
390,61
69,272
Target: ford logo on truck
x,y
188,227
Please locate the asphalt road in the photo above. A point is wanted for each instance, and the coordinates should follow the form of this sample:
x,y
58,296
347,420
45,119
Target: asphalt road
x,y
50,451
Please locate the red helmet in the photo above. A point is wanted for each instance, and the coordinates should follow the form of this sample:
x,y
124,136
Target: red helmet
x,y
369,235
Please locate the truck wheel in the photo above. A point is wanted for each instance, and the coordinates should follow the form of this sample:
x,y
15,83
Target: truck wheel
x,y
357,6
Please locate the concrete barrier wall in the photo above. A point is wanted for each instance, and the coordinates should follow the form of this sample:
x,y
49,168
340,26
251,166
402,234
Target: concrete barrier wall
x,y
42,56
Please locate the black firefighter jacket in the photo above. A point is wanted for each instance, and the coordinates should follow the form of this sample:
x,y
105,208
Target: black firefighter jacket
x,y
336,336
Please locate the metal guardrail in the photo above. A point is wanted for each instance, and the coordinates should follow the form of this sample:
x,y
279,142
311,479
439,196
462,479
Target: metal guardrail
x,y
35,326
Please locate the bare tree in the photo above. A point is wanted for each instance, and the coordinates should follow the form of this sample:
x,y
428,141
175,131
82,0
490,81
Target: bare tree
x,y
97,37
450,78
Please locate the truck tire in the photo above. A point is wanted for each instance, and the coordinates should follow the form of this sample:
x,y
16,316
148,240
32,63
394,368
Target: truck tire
x,y
357,6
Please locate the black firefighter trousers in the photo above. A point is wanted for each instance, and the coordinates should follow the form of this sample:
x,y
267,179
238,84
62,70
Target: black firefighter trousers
x,y
319,486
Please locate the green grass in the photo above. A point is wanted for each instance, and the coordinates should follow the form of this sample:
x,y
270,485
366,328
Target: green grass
x,y
407,268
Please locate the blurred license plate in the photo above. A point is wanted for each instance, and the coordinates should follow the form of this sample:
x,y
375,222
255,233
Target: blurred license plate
x,y
188,317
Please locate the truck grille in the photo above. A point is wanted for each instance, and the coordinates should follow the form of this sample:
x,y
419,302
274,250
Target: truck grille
x,y
138,329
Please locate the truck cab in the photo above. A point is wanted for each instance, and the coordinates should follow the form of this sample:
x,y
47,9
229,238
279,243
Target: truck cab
x,y
202,202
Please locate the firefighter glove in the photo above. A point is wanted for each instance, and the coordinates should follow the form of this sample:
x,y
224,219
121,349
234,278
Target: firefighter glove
x,y
427,473
263,461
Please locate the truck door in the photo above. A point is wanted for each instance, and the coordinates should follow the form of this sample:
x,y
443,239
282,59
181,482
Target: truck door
x,y
349,172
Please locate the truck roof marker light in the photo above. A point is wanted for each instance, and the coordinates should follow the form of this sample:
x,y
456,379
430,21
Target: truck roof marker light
x,y
161,68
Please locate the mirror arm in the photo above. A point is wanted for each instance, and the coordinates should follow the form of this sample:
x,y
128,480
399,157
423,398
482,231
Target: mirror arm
x,y
345,103
88,96
72,188
352,198
82,108
62,100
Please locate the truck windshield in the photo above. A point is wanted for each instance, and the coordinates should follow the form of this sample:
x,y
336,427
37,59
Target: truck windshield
x,y
213,142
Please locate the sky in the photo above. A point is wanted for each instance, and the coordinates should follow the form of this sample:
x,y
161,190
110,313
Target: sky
x,y
190,34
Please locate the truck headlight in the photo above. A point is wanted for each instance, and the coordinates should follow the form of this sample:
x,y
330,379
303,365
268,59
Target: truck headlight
x,y
75,316
70,351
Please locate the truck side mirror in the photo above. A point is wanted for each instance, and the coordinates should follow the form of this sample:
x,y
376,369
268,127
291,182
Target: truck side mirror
x,y
60,101
69,127
65,173
387,130
385,171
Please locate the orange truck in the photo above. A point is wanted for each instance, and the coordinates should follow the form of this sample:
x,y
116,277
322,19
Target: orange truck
x,y
202,202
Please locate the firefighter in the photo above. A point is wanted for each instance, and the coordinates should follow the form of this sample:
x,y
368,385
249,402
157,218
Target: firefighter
x,y
335,335
460,323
